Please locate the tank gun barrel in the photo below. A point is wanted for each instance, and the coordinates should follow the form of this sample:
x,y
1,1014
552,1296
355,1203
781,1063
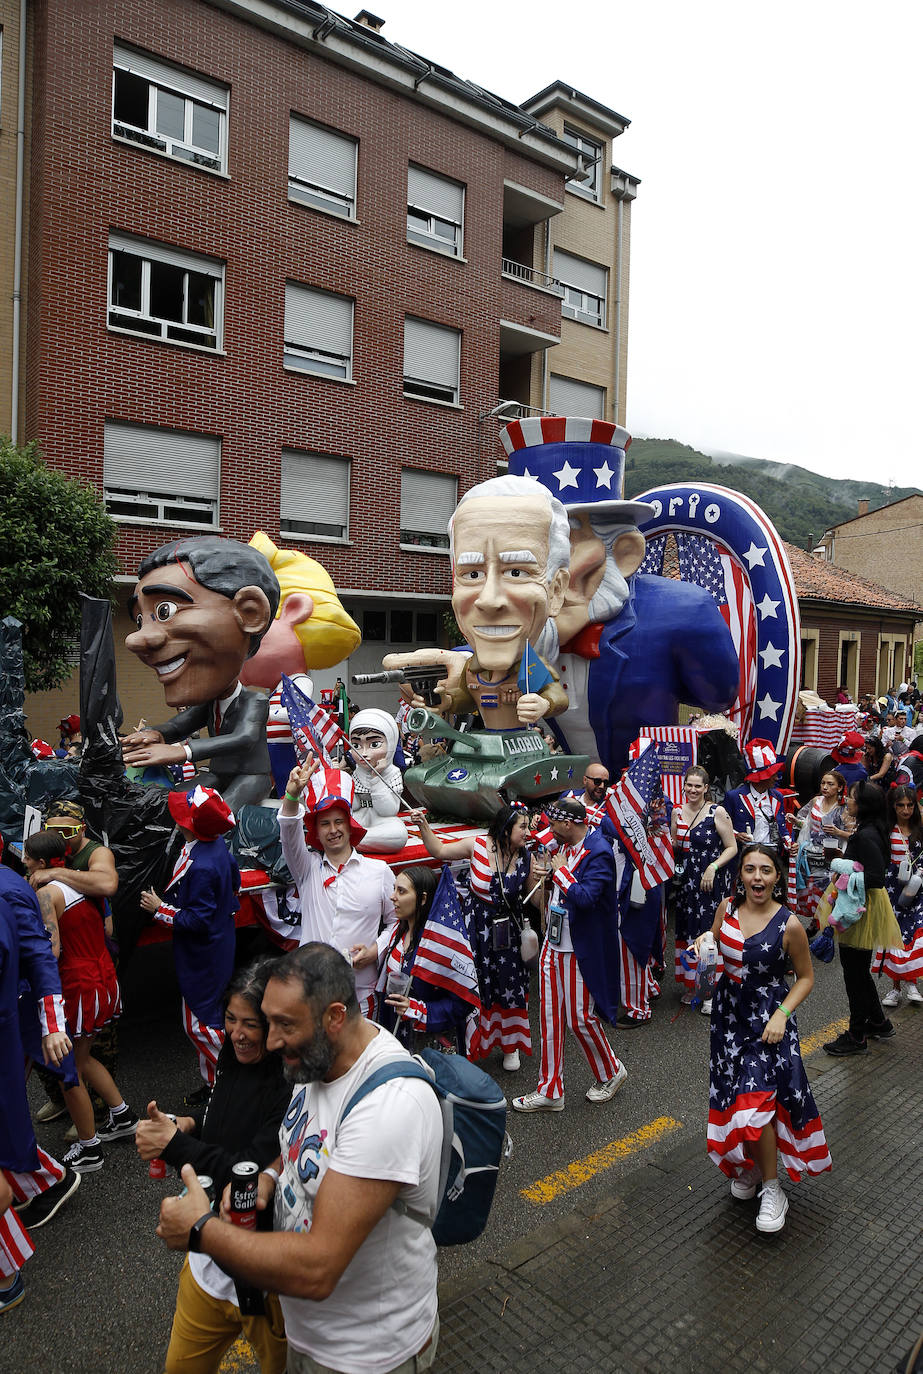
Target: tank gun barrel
x,y
422,722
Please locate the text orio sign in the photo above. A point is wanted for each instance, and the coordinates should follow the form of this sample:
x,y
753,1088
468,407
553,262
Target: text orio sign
x,y
727,545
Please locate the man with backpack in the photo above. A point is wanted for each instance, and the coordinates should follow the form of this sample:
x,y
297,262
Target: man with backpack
x,y
355,1189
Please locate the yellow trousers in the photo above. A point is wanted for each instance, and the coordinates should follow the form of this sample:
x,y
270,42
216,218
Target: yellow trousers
x,y
204,1328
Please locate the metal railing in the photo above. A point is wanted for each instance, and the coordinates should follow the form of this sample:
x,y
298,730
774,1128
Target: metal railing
x,y
531,276
516,410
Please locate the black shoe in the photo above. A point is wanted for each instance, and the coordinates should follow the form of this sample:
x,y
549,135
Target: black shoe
x,y
84,1159
43,1207
846,1044
199,1097
884,1030
119,1127
626,1022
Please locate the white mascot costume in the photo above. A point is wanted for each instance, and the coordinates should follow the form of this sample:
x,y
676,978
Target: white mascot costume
x,y
373,738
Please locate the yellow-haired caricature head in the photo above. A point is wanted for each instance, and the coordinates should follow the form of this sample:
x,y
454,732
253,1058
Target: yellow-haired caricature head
x,y
311,628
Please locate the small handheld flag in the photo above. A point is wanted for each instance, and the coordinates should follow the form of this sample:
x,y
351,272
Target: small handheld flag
x,y
533,673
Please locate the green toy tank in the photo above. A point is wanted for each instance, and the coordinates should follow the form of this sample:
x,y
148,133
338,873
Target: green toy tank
x,y
466,782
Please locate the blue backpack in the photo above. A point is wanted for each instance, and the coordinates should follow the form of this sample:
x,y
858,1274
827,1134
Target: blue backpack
x,y
474,1139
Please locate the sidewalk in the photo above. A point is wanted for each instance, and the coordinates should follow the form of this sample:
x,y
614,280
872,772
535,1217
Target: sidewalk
x,y
669,1272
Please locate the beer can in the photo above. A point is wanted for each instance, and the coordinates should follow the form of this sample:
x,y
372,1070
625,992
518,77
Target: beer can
x,y
244,1190
207,1184
157,1168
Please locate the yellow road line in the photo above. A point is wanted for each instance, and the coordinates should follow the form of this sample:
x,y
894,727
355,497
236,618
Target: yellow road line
x,y
563,1180
814,1042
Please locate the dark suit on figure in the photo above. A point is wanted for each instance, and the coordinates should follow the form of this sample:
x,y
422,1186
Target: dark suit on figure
x,y
237,751
668,644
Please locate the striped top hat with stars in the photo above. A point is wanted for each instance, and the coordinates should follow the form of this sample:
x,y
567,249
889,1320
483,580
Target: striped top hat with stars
x,y
580,461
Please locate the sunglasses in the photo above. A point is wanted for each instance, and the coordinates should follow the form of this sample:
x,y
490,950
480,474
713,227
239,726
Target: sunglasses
x,y
67,832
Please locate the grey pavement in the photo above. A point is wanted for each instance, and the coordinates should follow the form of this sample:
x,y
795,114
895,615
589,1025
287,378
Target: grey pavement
x,y
666,1271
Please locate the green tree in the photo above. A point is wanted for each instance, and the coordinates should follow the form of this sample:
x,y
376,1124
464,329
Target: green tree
x,y
57,540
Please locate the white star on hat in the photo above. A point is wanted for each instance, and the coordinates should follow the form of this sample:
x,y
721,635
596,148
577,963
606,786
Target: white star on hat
x,y
604,475
567,476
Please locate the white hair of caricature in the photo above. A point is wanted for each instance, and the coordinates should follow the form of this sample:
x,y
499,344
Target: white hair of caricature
x,y
510,486
608,599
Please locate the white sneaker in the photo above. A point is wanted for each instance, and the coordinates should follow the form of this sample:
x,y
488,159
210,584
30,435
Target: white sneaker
x,y
535,1102
773,1206
744,1186
893,998
913,994
705,1008
511,1061
604,1092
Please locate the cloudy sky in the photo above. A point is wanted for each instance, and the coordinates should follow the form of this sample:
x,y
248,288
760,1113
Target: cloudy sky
x,y
776,301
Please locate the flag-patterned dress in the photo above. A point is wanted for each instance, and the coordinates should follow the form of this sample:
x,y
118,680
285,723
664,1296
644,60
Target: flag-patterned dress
x,y
904,965
752,1083
696,848
503,978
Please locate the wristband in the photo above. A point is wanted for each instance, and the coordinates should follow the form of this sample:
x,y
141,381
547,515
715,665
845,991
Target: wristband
x,y
781,1007
271,1173
194,1242
289,797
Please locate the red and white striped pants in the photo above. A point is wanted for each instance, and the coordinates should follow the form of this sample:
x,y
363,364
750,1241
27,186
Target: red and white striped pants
x,y
29,1185
567,1001
15,1244
636,983
506,1029
207,1040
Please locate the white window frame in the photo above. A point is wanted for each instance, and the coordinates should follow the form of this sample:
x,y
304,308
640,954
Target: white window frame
x,y
425,231
589,183
579,303
315,193
119,317
427,541
320,362
423,389
138,504
193,90
289,524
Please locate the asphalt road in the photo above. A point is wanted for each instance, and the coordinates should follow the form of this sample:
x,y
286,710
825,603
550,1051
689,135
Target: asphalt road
x,y
101,1286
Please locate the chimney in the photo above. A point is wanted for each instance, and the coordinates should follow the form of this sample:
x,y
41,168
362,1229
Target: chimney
x,y
863,505
369,21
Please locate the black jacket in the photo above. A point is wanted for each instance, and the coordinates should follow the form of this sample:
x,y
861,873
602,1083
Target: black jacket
x,y
241,1120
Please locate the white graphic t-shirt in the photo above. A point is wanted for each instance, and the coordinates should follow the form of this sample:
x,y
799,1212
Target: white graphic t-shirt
x,y
384,1306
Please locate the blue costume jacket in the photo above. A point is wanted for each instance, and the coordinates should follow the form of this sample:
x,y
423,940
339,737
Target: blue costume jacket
x,y
667,645
27,968
742,813
592,905
202,902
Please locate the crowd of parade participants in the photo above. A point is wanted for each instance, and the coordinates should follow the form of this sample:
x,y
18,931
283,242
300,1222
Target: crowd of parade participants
x,y
761,892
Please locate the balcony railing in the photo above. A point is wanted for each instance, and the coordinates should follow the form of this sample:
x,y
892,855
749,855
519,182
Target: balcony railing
x,y
505,411
532,277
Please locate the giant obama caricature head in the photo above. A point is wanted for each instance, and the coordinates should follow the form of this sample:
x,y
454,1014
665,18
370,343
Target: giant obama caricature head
x,y
201,606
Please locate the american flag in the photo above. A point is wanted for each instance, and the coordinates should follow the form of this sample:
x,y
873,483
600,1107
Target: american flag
x,y
628,805
711,567
443,954
314,730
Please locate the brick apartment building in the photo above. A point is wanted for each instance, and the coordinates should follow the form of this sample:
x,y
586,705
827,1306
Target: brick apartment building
x,y
278,272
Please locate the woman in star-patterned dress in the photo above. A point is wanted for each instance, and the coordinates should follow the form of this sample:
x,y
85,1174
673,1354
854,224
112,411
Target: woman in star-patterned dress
x,y
760,1102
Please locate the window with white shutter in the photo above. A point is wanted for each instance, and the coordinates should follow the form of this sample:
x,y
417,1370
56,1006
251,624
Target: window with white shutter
x,y
314,496
585,288
161,474
567,396
435,210
318,331
167,110
322,167
428,500
165,293
431,360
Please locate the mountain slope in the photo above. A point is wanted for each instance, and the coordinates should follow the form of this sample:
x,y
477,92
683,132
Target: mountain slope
x,y
801,504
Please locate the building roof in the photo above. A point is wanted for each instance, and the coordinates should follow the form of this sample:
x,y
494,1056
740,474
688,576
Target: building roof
x,y
580,105
820,581
353,43
877,511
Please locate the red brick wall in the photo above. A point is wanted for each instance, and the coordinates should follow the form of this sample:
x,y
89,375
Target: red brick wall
x,y
84,184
